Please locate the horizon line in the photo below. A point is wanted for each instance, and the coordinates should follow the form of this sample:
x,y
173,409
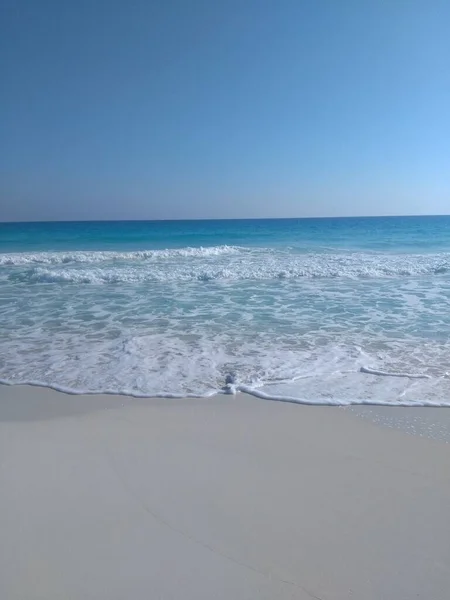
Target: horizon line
x,y
396,216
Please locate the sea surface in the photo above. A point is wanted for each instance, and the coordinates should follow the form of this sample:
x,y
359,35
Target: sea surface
x,y
320,311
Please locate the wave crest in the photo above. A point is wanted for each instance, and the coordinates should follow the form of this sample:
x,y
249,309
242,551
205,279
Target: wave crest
x,y
97,256
213,263
229,264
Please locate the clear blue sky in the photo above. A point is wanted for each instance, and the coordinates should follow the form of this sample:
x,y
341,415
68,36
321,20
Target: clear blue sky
x,y
239,108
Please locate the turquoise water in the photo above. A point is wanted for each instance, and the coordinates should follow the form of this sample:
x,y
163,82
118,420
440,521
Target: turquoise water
x,y
381,233
332,311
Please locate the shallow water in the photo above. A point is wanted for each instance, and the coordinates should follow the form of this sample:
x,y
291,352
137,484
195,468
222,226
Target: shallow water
x,y
331,311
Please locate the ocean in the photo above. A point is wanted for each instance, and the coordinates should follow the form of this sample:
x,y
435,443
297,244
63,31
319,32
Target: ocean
x,y
317,311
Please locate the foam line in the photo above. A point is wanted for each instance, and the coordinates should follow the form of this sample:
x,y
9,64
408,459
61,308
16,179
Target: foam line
x,y
393,374
106,392
340,402
232,389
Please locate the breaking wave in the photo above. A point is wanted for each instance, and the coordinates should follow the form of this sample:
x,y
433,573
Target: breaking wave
x,y
212,264
89,257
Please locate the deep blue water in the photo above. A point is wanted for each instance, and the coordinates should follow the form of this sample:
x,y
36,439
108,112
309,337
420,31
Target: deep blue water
x,y
376,233
287,308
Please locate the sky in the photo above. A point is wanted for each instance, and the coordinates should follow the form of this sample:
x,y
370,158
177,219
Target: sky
x,y
163,109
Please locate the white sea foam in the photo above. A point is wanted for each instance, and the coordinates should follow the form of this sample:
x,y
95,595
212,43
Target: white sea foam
x,y
198,363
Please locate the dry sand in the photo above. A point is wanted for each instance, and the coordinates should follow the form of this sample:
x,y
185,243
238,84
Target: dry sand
x,y
226,498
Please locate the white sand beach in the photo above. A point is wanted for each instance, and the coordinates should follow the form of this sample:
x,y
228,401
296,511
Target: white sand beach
x,y
226,498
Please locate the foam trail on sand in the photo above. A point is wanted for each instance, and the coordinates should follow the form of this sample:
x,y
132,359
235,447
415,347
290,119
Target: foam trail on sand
x,y
338,402
233,389
128,393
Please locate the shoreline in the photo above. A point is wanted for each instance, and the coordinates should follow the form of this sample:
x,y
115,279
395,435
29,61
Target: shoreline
x,y
225,497
232,389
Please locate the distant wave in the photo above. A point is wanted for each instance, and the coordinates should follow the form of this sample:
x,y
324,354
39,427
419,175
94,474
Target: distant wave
x,y
97,256
218,263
